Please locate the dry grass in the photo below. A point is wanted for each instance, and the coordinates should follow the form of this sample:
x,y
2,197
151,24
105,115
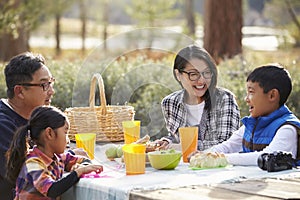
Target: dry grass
x,y
71,26
251,58
286,57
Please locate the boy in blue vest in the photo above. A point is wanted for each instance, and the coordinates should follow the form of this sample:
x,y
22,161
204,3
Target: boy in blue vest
x,y
271,126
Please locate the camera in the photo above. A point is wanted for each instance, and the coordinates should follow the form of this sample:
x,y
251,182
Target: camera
x,y
276,161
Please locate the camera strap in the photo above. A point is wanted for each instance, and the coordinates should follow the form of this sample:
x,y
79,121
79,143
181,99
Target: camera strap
x,y
296,162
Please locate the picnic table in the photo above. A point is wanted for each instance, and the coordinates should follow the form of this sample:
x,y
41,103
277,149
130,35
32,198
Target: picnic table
x,y
230,182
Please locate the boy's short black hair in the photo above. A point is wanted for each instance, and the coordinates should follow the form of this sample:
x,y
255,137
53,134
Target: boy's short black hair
x,y
272,76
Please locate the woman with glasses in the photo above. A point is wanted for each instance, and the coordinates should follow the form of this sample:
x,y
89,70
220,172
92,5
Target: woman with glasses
x,y
200,102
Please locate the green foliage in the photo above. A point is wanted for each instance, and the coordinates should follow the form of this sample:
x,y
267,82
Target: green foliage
x,y
294,99
28,15
139,82
64,73
281,16
150,12
294,33
2,81
143,82
233,74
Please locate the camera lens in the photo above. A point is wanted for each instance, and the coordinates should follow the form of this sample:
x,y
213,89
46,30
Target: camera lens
x,y
262,161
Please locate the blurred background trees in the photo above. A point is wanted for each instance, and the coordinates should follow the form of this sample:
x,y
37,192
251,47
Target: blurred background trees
x,y
17,19
238,34
218,23
223,28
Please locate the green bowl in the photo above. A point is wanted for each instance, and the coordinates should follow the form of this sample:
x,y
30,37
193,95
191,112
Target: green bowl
x,y
164,159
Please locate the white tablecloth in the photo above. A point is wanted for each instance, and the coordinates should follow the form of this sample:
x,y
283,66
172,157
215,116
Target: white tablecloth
x,y
115,184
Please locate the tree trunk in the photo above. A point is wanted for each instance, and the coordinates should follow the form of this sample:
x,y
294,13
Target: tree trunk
x,y
223,28
105,24
12,44
190,17
294,18
83,17
57,33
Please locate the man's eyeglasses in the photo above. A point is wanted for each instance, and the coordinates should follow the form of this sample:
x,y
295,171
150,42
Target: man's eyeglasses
x,y
45,86
194,76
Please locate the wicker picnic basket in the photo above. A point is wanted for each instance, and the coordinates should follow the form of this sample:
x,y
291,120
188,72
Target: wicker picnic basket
x,y
104,120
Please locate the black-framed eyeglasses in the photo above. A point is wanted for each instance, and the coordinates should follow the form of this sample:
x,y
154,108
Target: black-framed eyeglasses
x,y
194,76
45,85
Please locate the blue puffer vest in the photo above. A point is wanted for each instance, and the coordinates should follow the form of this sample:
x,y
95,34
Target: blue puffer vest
x,y
259,132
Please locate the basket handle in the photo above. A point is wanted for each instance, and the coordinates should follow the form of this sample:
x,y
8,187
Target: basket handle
x,y
97,77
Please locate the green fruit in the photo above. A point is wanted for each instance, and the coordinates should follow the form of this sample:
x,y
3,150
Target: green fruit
x,y
119,151
111,152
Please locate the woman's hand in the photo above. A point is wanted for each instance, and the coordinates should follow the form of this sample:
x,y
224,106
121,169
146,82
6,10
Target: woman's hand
x,y
162,144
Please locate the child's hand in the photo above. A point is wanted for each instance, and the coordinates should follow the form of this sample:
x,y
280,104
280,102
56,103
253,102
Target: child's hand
x,y
75,166
85,169
80,151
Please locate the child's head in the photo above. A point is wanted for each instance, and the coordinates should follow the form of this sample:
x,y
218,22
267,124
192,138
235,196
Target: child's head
x,y
273,76
43,118
47,127
275,84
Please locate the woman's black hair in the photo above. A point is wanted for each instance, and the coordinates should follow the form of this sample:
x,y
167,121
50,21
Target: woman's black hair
x,y
41,118
193,51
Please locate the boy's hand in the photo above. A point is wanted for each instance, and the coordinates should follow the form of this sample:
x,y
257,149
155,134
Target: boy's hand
x,y
191,154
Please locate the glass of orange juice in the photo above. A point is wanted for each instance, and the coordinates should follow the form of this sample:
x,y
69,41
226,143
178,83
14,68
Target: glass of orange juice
x,y
87,142
189,141
134,158
131,131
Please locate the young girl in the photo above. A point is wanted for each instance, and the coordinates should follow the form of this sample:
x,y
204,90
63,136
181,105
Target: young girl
x,y
38,172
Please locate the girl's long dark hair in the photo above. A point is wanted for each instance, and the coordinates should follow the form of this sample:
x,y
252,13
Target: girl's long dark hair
x,y
41,118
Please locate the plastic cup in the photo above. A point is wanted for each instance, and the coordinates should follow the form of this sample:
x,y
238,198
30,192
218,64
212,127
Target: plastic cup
x,y
134,158
87,142
189,140
131,131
